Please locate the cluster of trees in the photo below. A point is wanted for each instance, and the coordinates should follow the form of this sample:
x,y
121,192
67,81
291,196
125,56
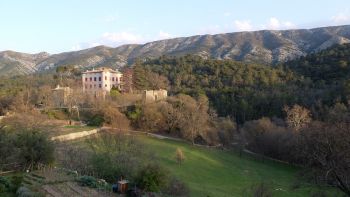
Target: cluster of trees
x,y
322,147
104,112
186,117
145,79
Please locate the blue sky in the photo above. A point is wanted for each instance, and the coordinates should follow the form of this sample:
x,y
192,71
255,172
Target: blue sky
x,y
63,25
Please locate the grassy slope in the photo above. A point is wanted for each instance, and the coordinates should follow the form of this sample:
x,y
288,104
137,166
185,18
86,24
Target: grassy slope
x,y
211,172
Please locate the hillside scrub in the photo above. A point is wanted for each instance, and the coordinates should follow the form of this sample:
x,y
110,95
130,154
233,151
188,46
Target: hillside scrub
x,y
25,149
110,156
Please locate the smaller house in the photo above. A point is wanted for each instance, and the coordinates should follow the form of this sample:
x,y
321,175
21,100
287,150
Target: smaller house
x,y
123,186
150,96
60,96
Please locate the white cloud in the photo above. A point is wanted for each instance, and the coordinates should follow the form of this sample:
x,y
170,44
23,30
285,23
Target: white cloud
x,y
243,25
94,44
275,24
341,17
164,35
76,47
272,23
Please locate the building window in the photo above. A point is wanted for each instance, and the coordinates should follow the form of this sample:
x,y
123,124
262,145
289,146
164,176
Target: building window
x,y
99,78
90,86
105,77
112,78
100,85
94,85
86,78
90,78
94,78
105,85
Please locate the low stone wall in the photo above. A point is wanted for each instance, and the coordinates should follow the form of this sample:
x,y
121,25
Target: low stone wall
x,y
73,136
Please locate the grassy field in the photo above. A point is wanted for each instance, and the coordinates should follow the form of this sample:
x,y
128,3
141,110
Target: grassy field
x,y
212,172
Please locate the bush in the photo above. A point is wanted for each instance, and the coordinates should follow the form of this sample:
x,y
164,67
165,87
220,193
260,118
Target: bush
x,y
34,148
16,182
116,155
259,190
87,181
96,120
4,184
176,187
25,192
152,178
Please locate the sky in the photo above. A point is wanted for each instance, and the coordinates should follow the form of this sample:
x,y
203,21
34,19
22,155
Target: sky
x,y
34,26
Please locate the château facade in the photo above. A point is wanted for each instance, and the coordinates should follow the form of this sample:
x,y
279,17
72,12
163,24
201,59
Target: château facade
x,y
101,80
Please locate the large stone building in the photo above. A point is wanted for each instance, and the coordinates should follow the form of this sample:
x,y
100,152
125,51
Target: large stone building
x,y
101,80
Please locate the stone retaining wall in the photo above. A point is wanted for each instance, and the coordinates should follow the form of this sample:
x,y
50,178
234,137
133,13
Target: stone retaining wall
x,y
73,136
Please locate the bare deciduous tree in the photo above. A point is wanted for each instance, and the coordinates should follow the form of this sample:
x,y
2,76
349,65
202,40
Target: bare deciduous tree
x,y
326,148
297,116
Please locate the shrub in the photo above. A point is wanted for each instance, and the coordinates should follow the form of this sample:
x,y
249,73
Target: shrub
x,y
116,155
16,182
25,192
96,120
259,190
4,184
176,187
34,148
152,178
87,181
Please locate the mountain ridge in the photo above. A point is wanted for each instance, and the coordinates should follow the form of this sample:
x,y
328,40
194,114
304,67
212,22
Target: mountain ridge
x,y
263,46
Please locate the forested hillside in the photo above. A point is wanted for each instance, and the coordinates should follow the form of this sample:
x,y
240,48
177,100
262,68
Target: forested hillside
x,y
328,66
250,91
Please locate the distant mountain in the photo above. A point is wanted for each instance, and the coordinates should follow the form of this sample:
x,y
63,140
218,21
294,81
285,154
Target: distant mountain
x,y
14,63
266,47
